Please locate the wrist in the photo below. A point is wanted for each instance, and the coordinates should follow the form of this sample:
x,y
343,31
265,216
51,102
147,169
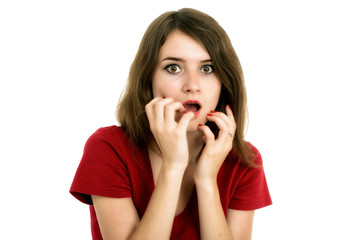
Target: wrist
x,y
205,176
172,170
208,183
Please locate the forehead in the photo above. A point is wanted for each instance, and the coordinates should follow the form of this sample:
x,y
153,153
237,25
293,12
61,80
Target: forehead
x,y
180,45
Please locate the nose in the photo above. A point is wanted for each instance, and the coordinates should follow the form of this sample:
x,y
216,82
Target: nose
x,y
191,82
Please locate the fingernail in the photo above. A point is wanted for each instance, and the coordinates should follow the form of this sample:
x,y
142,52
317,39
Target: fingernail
x,y
210,115
229,106
200,125
213,111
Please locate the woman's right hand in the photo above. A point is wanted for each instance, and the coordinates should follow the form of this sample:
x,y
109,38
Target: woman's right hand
x,y
169,134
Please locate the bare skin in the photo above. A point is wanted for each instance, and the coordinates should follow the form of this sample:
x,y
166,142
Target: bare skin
x,y
178,160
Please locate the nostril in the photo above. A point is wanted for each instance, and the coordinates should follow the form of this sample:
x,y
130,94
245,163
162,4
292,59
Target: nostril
x,y
193,89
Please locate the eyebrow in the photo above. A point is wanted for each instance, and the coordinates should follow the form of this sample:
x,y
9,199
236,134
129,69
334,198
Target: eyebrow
x,y
182,60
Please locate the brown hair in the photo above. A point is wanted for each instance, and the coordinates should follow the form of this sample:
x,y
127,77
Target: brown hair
x,y
131,108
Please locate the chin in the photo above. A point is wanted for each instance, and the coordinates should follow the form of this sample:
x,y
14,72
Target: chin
x,y
192,129
193,125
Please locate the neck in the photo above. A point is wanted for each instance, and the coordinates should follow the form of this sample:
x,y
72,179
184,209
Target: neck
x,y
195,145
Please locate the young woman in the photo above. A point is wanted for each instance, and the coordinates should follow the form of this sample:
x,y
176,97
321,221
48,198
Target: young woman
x,y
178,166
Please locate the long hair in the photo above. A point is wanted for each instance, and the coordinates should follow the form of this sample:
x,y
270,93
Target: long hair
x,y
200,26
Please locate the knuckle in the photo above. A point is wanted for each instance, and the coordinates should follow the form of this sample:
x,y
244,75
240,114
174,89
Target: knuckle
x,y
158,104
159,128
147,107
169,107
152,128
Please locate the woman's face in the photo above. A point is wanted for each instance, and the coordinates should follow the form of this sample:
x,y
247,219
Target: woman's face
x,y
185,73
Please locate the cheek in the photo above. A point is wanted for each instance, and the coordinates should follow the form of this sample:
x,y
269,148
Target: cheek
x,y
157,83
164,89
156,90
157,87
217,92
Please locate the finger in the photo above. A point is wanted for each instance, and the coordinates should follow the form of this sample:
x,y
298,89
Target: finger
x,y
184,121
208,134
149,109
150,104
222,116
159,111
225,125
170,111
220,122
154,111
229,113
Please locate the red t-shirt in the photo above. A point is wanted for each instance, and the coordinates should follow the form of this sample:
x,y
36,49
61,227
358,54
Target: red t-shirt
x,y
109,167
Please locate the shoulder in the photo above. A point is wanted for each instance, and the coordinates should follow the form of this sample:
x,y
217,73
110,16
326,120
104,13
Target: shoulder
x,y
113,135
108,132
104,166
255,154
251,152
251,191
108,144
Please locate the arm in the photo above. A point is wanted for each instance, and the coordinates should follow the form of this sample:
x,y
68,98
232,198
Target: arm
x,y
118,218
240,223
213,224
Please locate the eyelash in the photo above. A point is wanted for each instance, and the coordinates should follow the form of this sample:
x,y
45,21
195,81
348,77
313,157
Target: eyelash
x,y
167,68
210,66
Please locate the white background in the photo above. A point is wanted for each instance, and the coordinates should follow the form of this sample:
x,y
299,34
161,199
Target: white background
x,y
63,65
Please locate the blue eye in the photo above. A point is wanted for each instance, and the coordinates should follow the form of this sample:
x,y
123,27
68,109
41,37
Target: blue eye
x,y
207,69
172,68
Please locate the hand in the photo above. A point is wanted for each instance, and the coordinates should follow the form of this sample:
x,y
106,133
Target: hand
x,y
170,135
215,150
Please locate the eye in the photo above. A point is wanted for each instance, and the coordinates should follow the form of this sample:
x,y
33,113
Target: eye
x,y
207,69
172,68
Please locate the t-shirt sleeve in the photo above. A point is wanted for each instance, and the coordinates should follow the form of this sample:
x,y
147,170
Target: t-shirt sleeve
x,y
101,171
252,190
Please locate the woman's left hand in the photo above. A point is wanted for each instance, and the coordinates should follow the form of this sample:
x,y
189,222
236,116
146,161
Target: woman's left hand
x,y
215,150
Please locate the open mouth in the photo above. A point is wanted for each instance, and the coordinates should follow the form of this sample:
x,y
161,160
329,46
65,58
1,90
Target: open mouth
x,y
192,106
